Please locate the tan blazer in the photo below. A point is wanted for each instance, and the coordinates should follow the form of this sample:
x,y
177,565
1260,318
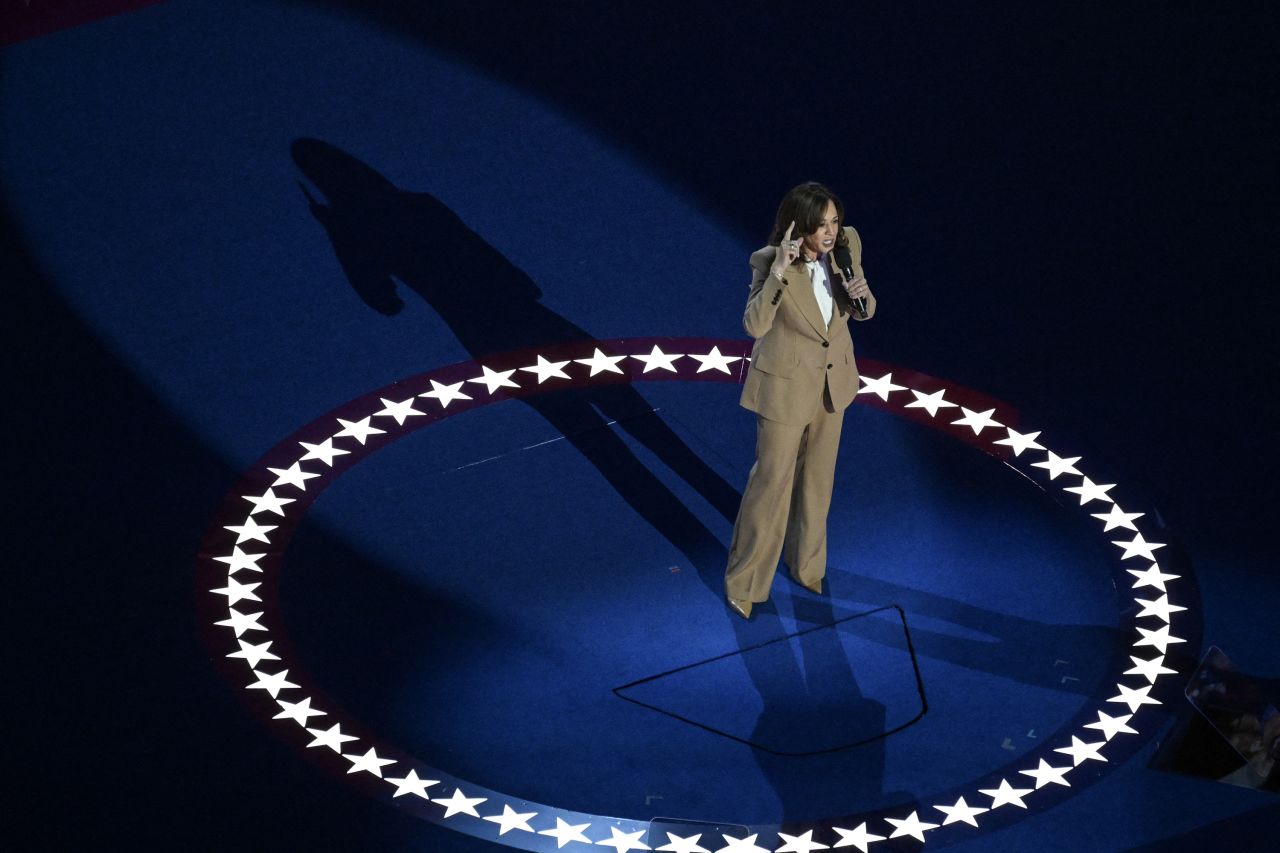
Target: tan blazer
x,y
796,356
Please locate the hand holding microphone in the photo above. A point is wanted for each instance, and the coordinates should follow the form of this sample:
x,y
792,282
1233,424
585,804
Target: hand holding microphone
x,y
855,287
858,290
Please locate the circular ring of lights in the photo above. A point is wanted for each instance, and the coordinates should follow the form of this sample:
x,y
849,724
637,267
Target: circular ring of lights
x,y
243,549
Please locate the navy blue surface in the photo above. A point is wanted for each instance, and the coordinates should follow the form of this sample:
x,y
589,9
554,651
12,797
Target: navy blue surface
x,y
854,690
206,206
539,593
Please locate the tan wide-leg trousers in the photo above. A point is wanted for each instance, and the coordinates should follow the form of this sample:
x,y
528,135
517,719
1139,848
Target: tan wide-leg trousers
x,y
784,507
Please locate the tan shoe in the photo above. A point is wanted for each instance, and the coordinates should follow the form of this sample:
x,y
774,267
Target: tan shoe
x,y
741,606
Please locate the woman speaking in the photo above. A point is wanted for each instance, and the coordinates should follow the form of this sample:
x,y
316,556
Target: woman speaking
x,y
805,285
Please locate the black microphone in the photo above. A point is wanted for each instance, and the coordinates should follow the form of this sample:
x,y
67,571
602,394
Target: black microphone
x,y
844,260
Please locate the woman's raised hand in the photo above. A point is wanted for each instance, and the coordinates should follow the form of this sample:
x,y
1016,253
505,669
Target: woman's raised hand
x,y
788,251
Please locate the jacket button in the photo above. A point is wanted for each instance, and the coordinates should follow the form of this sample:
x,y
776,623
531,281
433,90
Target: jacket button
x,y
826,343
828,367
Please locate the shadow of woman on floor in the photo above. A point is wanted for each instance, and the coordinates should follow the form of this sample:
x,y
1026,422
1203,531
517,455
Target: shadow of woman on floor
x,y
383,235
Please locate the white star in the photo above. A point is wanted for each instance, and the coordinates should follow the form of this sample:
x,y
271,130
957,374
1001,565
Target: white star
x,y
961,812
273,684
1111,726
446,394
292,476
859,837
910,825
882,387
800,843
658,360
977,421
1044,774
1135,698
741,845
1006,794
1138,547
624,841
411,784
1160,608
267,503
237,592
254,654
547,369
1160,639
368,763
401,411
1149,669
677,844
1116,518
250,530
299,712
359,430
324,451
494,379
1020,441
930,402
240,560
1152,577
456,803
1091,491
715,361
331,737
564,833
601,363
242,622
1079,750
1056,465
511,819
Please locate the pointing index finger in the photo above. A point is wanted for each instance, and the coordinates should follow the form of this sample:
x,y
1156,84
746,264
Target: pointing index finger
x,y
787,236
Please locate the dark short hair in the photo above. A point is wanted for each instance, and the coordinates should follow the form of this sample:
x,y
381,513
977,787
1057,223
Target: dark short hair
x,y
805,206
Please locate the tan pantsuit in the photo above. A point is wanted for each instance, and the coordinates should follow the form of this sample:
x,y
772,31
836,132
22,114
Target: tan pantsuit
x,y
801,379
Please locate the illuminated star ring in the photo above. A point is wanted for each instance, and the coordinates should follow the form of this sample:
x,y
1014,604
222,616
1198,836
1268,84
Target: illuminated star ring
x,y
242,556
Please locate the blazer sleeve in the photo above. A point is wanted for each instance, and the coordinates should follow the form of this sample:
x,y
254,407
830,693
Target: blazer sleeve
x,y
764,294
855,249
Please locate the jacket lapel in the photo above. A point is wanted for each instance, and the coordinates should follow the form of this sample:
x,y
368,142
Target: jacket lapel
x,y
801,288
